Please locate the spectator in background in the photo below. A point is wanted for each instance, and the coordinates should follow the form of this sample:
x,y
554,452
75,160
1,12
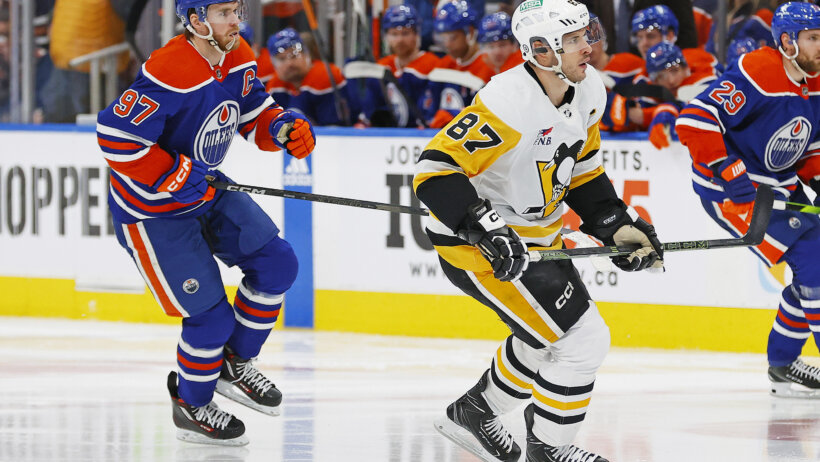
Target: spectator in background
x,y
667,67
738,48
748,18
703,11
302,84
5,83
650,27
496,41
281,14
457,26
682,10
78,27
383,103
426,11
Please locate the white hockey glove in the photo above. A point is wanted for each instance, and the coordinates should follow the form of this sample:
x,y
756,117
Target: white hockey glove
x,y
498,243
622,225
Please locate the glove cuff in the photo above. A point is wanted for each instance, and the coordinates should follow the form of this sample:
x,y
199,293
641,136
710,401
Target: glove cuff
x,y
480,219
174,178
604,225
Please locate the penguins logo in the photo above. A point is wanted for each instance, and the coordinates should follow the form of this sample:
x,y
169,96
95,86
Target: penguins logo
x,y
557,174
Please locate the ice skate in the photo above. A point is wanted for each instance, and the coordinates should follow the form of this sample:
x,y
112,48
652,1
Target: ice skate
x,y
538,451
204,424
245,384
797,380
472,425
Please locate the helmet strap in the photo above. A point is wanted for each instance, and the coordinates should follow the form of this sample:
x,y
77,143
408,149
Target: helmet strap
x,y
210,38
556,69
793,59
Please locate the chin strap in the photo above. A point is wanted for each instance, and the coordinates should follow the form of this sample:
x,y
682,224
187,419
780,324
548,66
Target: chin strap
x,y
557,69
210,38
793,60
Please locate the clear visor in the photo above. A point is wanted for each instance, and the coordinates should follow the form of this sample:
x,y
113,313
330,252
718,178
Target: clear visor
x,y
575,41
227,12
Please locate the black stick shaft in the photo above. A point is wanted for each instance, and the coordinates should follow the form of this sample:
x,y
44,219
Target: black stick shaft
x,y
317,198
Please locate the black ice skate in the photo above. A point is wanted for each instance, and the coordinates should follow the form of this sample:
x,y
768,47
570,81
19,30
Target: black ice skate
x,y
472,425
243,383
797,380
204,424
541,452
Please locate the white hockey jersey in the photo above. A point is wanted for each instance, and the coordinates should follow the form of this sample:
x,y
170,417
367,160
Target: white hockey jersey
x,y
519,151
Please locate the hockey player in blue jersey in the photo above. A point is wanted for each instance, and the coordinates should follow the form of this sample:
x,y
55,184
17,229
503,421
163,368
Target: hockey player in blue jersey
x,y
162,138
758,124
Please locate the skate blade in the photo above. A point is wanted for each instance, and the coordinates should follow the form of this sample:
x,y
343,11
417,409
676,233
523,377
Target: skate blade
x,y
193,437
228,390
786,390
463,438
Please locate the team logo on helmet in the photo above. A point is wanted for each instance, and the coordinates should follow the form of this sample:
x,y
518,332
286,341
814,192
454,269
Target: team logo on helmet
x,y
215,136
787,144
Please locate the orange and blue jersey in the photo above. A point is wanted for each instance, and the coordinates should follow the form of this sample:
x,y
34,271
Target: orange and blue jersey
x,y
444,100
512,60
179,104
703,25
315,96
413,81
756,112
264,66
621,68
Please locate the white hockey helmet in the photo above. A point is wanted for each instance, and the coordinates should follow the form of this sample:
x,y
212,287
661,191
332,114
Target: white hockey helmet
x,y
548,21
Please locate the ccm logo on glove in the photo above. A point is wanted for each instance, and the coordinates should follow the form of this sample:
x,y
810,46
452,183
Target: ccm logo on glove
x,y
177,179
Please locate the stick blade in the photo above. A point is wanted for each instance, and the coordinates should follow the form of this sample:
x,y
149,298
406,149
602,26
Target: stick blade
x,y
761,213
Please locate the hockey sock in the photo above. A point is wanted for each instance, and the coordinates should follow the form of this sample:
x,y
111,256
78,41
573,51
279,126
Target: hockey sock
x,y
511,374
790,330
199,352
256,313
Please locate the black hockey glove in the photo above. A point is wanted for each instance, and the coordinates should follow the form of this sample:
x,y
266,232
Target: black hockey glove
x,y
622,225
498,243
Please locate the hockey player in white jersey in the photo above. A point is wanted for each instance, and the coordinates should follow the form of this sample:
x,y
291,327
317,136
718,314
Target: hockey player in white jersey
x,y
496,179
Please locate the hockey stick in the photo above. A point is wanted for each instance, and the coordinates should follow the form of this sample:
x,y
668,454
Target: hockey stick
x,y
368,70
762,211
315,197
805,208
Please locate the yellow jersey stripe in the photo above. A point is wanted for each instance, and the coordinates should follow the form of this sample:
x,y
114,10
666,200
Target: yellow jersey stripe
x,y
558,404
586,177
593,143
421,177
506,373
507,294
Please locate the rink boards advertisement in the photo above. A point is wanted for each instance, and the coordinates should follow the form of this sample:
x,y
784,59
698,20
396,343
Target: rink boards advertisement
x,y
371,270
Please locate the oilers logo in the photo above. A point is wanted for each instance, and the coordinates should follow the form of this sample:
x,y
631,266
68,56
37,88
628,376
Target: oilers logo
x,y
216,134
451,99
787,144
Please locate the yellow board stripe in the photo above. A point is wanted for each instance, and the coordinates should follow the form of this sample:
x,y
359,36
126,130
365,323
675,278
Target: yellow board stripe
x,y
558,404
506,373
632,325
